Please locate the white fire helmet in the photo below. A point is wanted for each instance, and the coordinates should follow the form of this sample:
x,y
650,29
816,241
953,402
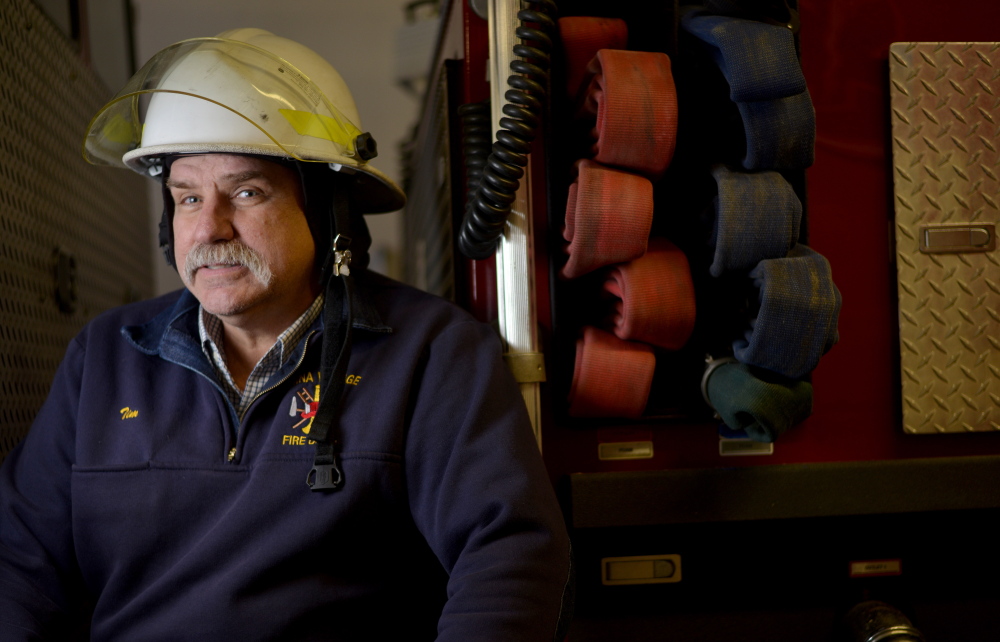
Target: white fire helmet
x,y
245,91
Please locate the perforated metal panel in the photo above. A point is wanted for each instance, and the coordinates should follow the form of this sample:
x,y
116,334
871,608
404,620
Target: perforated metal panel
x,y
946,169
53,204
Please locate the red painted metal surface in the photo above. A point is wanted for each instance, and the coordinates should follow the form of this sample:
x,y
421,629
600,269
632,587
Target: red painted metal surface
x,y
845,61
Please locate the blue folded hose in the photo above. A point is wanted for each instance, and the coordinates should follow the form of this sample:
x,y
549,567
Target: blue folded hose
x,y
760,63
757,217
796,322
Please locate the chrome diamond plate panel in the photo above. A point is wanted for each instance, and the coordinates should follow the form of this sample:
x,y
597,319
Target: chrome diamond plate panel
x,y
944,101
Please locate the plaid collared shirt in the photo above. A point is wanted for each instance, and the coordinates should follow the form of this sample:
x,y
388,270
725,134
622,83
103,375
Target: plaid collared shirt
x,y
210,331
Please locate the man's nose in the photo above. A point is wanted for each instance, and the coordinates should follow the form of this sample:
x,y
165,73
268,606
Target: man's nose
x,y
215,221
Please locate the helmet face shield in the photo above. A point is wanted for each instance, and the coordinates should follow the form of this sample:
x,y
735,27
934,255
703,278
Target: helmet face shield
x,y
218,95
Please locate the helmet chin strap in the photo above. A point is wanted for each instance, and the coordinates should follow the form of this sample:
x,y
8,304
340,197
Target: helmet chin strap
x,y
326,473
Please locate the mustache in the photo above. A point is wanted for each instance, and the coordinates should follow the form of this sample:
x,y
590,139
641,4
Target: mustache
x,y
233,252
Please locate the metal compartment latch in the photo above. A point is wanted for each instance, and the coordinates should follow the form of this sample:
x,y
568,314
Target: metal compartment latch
x,y
941,239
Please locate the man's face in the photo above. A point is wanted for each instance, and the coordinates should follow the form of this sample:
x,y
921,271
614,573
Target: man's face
x,y
241,241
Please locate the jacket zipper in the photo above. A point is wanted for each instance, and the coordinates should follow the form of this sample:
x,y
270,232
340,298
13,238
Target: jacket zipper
x,y
305,348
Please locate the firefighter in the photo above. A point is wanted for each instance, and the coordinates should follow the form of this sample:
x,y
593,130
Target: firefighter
x,y
291,447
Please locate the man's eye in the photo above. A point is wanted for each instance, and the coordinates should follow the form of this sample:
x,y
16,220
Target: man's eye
x,y
188,200
247,193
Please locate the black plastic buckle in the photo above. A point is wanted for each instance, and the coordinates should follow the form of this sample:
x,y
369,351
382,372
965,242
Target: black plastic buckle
x,y
324,477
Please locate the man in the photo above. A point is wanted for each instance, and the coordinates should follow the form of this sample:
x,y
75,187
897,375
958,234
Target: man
x,y
292,447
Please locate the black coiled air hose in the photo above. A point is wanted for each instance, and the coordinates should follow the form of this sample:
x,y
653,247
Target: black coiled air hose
x,y
477,140
487,209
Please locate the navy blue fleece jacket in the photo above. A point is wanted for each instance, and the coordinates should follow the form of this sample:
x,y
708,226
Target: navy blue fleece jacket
x,y
140,509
